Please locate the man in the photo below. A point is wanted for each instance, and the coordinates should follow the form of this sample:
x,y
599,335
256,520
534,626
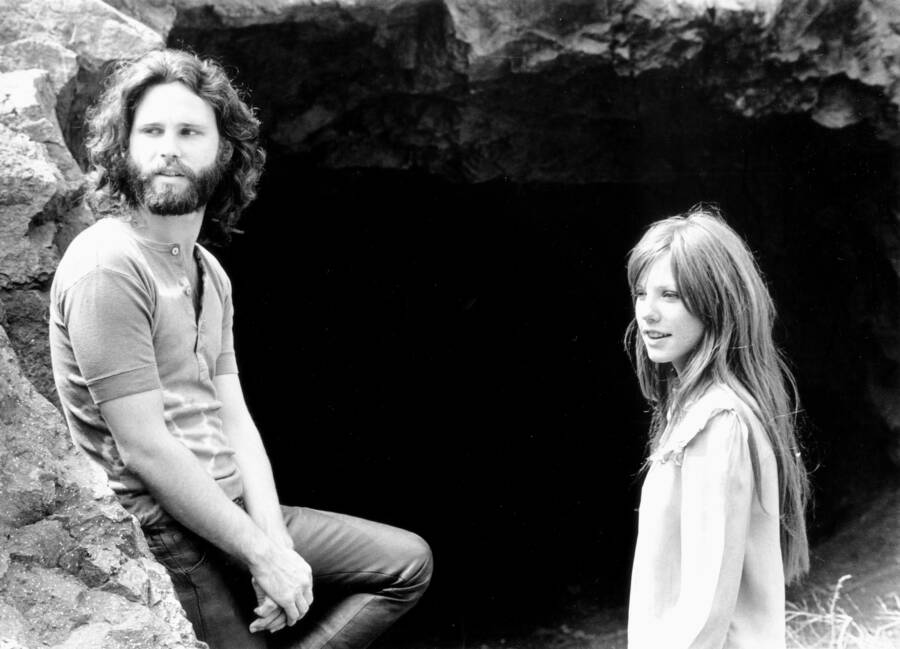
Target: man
x,y
141,338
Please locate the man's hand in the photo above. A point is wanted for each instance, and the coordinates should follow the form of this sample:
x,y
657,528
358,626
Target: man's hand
x,y
269,615
285,578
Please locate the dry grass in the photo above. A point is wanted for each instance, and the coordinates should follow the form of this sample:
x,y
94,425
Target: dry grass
x,y
833,624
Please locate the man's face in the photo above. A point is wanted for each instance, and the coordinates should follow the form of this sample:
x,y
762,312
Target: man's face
x,y
173,151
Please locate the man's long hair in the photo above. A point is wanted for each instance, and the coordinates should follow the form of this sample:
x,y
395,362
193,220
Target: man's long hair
x,y
111,118
722,286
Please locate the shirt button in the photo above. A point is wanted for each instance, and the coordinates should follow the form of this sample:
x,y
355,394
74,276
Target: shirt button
x,y
175,250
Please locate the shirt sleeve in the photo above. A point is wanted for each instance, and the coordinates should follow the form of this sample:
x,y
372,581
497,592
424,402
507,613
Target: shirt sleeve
x,y
226,363
716,499
108,317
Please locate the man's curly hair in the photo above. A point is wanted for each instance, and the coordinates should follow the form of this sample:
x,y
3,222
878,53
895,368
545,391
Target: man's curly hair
x,y
109,127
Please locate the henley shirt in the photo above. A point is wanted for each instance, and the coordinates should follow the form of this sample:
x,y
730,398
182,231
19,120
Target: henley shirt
x,y
122,321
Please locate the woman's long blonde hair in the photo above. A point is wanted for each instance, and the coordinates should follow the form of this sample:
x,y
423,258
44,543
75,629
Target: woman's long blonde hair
x,y
721,285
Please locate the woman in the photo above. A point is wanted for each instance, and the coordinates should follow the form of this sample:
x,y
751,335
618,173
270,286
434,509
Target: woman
x,y
722,507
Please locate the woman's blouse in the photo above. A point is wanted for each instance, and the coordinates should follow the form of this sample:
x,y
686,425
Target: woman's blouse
x,y
707,571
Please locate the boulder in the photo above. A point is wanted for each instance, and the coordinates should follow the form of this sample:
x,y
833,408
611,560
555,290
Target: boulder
x,y
30,186
89,33
75,570
27,105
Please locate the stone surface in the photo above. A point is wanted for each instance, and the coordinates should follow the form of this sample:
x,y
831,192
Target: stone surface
x,y
89,33
27,105
156,14
75,570
26,317
29,183
42,53
464,88
42,211
93,30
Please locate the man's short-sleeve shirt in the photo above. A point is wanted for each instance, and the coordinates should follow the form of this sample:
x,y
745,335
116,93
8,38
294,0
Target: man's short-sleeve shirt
x,y
122,321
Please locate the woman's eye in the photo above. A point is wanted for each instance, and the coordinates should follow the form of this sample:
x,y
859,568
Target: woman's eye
x,y
637,293
670,295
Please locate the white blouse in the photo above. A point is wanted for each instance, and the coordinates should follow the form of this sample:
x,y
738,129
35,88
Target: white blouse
x,y
707,568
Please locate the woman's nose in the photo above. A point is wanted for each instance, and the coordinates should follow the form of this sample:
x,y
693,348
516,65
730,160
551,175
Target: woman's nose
x,y
645,310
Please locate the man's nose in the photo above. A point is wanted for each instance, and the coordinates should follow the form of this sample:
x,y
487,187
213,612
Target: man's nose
x,y
170,148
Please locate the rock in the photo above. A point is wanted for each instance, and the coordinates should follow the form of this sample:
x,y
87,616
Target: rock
x,y
75,570
26,324
74,567
29,182
93,30
464,88
35,224
156,14
27,105
41,53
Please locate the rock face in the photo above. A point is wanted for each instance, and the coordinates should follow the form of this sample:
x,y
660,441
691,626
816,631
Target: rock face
x,y
75,570
52,57
541,90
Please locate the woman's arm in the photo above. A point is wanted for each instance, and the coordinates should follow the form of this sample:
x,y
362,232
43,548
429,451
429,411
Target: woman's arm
x,y
716,499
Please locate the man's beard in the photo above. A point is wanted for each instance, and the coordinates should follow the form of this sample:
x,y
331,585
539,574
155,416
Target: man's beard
x,y
172,200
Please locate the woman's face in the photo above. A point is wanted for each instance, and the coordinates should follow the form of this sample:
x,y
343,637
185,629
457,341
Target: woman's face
x,y
670,333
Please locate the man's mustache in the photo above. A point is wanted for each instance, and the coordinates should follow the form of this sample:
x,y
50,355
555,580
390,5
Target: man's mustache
x,y
174,168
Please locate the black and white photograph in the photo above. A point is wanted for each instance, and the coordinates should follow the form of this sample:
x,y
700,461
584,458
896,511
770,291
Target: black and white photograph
x,y
449,324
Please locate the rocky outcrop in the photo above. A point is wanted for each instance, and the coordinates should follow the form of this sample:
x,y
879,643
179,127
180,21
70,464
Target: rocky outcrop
x,y
75,570
52,57
541,90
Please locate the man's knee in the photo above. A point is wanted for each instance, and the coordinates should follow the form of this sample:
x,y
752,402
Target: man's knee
x,y
418,562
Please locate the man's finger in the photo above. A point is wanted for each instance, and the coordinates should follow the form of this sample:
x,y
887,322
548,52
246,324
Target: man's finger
x,y
278,623
270,623
266,608
292,611
266,621
302,605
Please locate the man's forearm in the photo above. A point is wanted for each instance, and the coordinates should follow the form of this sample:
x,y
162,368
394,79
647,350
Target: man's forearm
x,y
187,493
260,494
190,495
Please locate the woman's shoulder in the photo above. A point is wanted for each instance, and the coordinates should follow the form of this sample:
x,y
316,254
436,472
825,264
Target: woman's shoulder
x,y
717,403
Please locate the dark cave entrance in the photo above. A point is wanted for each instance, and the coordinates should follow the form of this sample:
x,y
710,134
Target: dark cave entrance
x,y
448,357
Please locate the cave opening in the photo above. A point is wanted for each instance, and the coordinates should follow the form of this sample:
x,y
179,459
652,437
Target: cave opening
x,y
453,359
446,355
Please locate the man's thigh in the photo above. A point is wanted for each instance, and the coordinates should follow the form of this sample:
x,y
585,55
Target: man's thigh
x,y
346,552
214,590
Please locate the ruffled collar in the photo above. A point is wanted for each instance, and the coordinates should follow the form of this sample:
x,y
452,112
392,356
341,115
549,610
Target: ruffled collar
x,y
717,399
